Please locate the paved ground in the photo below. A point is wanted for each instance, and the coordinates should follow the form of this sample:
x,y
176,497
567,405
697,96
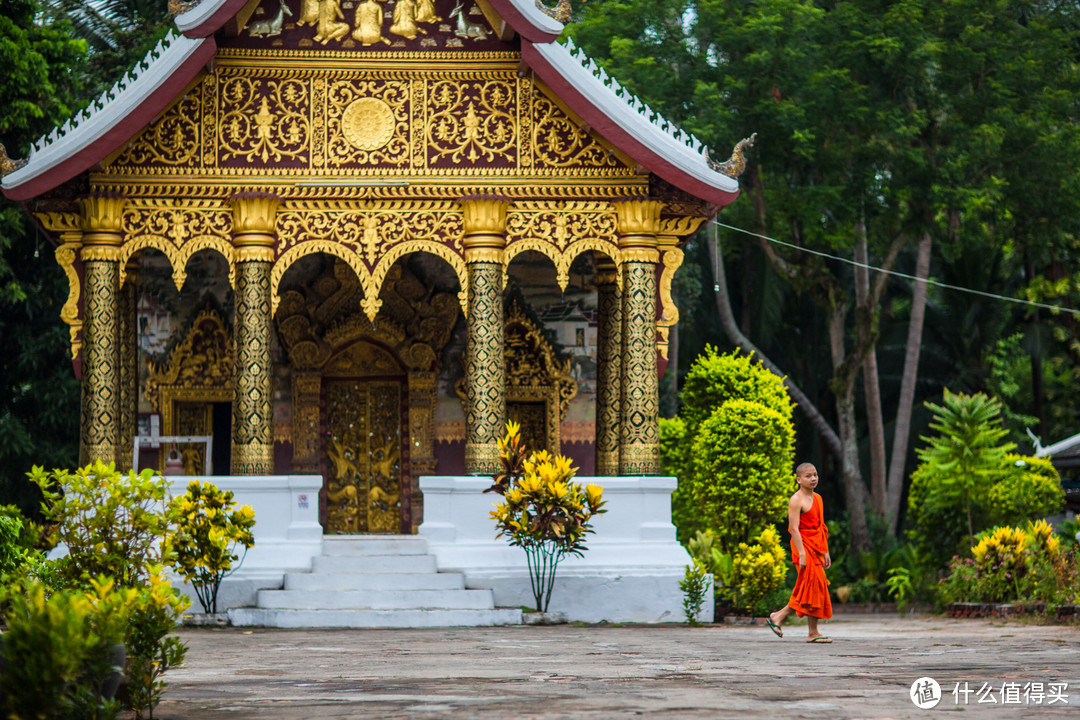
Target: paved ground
x,y
615,672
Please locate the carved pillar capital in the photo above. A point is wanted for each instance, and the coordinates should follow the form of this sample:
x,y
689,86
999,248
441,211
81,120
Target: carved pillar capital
x,y
102,224
484,220
254,219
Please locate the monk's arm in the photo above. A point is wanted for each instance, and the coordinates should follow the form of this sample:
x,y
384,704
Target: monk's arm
x,y
793,512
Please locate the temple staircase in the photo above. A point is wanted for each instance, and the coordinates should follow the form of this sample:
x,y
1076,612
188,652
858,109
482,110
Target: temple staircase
x,y
368,581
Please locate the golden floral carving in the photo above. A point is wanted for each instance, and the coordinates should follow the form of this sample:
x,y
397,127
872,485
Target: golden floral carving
x,y
171,140
250,130
472,121
367,123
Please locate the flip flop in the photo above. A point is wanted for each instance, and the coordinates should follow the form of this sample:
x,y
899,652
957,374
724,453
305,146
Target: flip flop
x,y
820,640
774,627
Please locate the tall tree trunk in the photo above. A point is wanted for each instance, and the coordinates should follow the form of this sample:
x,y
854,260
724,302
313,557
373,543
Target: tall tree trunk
x,y
907,384
864,320
731,329
843,385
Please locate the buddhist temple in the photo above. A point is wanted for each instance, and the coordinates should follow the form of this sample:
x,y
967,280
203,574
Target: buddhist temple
x,y
352,239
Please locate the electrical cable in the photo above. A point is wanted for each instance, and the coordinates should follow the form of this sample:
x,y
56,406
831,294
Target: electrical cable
x,y
928,281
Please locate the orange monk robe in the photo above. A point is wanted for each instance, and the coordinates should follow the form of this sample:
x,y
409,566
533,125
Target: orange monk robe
x,y
811,593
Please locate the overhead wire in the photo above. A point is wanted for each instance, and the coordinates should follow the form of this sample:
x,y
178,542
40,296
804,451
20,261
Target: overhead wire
x,y
897,273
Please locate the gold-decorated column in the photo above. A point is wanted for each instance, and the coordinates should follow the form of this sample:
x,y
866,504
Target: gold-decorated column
x,y
253,217
128,355
608,363
485,372
639,442
102,237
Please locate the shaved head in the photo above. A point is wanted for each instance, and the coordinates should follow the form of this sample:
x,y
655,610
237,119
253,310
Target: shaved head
x,y
804,467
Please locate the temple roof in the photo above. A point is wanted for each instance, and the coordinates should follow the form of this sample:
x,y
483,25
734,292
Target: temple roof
x,y
609,109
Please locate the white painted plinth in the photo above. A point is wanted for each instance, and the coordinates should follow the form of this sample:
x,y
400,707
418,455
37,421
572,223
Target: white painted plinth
x,y
287,532
630,572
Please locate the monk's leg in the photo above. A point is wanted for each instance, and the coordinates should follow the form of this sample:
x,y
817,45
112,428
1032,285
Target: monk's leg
x,y
811,623
781,615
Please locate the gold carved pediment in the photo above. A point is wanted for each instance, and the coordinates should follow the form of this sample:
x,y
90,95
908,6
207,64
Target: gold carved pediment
x,y
381,117
202,361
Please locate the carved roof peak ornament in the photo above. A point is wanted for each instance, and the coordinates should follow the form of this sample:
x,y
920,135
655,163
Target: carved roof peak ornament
x,y
179,7
735,165
7,164
562,12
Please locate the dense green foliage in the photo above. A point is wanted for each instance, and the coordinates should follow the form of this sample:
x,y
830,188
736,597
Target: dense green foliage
x,y
732,448
59,647
39,395
1013,564
880,126
969,481
116,528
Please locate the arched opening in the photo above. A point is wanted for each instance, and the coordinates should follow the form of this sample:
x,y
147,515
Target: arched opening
x,y
363,393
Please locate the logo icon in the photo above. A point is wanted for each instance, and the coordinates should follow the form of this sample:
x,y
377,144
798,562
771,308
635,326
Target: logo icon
x,y
925,693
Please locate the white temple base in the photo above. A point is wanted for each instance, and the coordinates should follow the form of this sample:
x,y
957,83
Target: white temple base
x,y
630,572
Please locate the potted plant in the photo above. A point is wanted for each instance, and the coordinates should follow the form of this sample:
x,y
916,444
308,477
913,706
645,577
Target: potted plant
x,y
542,511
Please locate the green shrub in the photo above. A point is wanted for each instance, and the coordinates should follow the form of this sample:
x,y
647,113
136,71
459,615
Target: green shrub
x,y
17,540
1029,489
694,585
152,615
760,571
714,379
542,510
1011,564
209,528
741,477
732,448
966,454
58,648
966,482
117,526
112,523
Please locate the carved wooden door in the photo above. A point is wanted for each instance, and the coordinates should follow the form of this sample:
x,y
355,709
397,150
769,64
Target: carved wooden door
x,y
363,478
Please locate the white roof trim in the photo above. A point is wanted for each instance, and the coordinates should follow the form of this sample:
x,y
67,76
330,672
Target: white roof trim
x,y
677,146
197,15
108,110
537,17
1054,449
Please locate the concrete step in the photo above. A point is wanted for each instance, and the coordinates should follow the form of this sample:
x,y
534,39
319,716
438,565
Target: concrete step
x,y
249,617
377,600
375,581
381,564
374,545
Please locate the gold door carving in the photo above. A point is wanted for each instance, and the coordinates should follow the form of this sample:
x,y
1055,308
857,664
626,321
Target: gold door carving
x,y
193,418
363,487
197,373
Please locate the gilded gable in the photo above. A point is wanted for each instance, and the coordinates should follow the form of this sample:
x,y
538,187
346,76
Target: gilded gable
x,y
247,118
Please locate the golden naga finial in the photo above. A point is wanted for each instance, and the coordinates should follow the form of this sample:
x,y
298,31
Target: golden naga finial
x,y
179,7
736,164
7,165
562,12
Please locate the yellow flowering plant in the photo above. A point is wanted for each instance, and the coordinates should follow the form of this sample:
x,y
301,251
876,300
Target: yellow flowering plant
x,y
760,569
542,511
209,530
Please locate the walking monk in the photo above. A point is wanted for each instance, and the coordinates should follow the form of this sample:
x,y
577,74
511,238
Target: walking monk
x,y
810,551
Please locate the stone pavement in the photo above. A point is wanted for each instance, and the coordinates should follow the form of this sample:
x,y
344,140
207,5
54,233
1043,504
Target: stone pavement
x,y
606,672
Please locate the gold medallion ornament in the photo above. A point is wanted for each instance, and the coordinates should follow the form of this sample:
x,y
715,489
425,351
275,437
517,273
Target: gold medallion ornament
x,y
368,123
